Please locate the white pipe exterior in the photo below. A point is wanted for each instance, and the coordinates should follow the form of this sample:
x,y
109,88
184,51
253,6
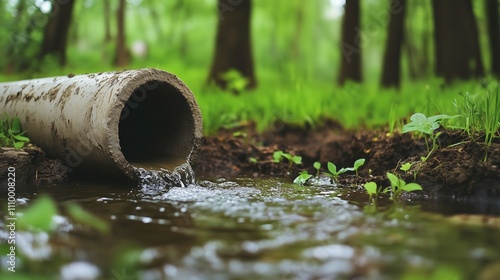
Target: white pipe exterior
x,y
102,121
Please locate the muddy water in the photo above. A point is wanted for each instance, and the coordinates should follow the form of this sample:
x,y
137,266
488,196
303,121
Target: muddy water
x,y
249,228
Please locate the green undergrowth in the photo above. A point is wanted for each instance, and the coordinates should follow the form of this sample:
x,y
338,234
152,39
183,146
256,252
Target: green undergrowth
x,y
295,97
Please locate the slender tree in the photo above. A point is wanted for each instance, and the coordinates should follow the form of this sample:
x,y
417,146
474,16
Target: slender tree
x,y
350,63
107,21
121,53
56,31
456,40
494,34
391,72
233,48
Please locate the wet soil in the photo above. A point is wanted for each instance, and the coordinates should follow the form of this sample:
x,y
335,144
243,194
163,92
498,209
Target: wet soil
x,y
31,167
461,166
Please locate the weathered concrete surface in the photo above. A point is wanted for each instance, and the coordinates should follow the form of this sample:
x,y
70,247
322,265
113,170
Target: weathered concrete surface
x,y
105,121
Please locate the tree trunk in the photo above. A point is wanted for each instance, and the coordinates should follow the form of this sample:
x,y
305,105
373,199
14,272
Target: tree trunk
x,y
56,31
233,49
107,21
122,55
391,73
494,35
456,40
350,63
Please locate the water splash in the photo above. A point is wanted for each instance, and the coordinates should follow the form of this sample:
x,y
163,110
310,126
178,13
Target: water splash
x,y
153,182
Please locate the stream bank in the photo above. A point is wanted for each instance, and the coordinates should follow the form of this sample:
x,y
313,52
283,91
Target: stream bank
x,y
458,167
461,166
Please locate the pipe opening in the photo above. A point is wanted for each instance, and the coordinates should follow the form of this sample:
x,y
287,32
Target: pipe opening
x,y
156,127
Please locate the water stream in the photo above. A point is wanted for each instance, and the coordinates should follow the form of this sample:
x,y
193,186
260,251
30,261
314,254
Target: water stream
x,y
174,227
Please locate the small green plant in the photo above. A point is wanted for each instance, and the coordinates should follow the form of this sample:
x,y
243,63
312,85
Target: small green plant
x,y
317,166
398,185
427,126
396,188
480,114
279,155
372,190
252,160
39,216
333,172
302,178
405,167
357,164
11,134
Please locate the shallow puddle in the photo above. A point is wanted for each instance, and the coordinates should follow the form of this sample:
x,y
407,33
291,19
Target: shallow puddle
x,y
257,229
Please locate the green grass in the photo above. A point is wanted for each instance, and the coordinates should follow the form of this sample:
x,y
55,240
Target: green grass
x,y
295,96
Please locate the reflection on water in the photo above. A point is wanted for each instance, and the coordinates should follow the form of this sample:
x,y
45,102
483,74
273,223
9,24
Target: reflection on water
x,y
260,229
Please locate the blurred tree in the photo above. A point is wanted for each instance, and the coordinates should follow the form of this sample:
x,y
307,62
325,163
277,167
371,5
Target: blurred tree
x,y
494,34
122,55
233,49
107,21
456,40
14,45
417,41
350,45
391,72
56,31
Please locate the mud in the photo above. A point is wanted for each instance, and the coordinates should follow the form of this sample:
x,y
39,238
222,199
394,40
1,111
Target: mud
x,y
31,168
461,166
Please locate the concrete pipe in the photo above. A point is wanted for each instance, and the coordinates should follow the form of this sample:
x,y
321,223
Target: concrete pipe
x,y
112,122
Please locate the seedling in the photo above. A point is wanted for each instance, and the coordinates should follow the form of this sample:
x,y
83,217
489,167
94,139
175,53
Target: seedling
x,y
302,178
405,167
427,126
357,164
332,168
10,133
278,155
317,166
372,190
397,187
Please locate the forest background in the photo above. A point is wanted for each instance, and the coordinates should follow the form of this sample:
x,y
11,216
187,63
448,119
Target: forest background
x,y
362,62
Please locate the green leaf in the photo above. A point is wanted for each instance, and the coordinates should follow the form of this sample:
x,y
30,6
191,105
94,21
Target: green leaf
x,y
39,215
412,187
394,179
252,160
287,156
78,214
332,168
343,170
21,138
317,165
16,125
18,145
405,167
277,156
2,136
418,117
371,188
358,163
297,159
302,178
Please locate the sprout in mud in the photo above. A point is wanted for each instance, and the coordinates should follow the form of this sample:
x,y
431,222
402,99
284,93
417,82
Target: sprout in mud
x,y
278,155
